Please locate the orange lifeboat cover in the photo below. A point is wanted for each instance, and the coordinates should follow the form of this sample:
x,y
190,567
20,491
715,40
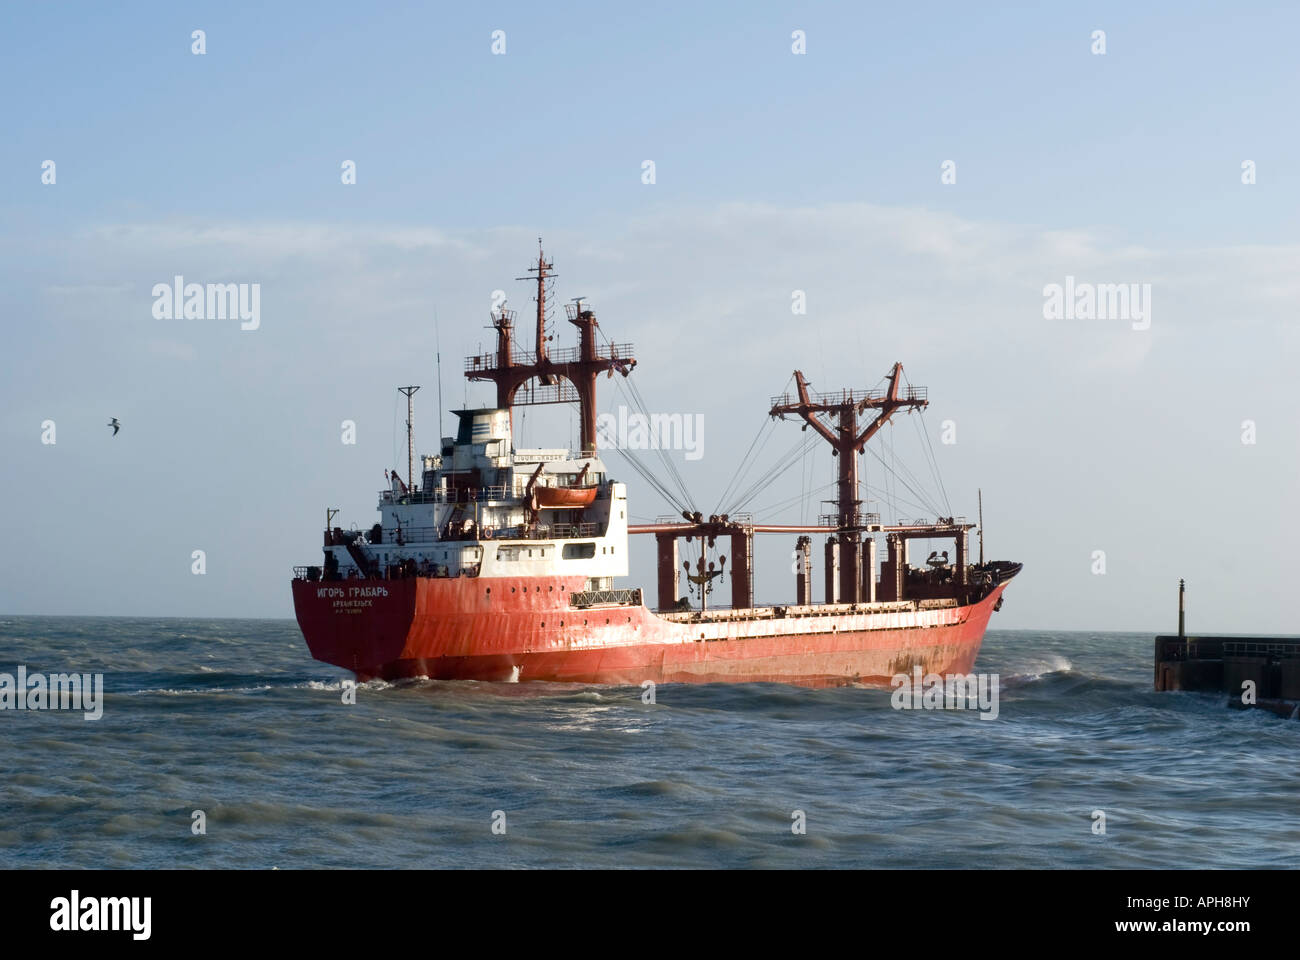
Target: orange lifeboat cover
x,y
562,498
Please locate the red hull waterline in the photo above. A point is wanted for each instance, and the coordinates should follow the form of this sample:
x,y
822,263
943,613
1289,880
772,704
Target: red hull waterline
x,y
468,628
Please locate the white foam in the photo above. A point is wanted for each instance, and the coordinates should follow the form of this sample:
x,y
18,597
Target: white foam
x,y
173,692
1037,669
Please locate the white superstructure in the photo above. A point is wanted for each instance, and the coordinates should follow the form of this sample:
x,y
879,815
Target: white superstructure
x,y
486,509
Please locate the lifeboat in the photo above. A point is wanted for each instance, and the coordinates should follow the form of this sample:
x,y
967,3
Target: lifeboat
x,y
564,498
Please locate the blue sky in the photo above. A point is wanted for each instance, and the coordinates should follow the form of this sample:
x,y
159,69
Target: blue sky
x,y
445,133
774,172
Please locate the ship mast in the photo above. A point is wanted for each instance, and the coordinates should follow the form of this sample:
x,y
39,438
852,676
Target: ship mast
x,y
543,271
846,443
410,441
562,376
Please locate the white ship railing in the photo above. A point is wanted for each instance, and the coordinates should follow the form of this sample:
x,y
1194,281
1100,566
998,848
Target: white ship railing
x,y
468,495
411,536
463,495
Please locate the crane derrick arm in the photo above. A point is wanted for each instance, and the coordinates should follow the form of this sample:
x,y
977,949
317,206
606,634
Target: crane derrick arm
x,y
888,405
806,409
809,407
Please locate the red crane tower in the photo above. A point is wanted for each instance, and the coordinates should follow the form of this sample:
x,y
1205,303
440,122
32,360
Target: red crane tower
x,y
846,444
564,375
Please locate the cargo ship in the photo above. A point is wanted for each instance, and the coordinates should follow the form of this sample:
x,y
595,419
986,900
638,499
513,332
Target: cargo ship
x,y
502,563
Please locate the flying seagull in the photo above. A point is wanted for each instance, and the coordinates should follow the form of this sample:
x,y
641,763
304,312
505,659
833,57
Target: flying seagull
x,y
115,425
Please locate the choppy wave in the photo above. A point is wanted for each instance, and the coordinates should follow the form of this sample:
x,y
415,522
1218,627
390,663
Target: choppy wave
x,y
233,718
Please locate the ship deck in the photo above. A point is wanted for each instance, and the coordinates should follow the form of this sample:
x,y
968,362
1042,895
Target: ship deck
x,y
725,615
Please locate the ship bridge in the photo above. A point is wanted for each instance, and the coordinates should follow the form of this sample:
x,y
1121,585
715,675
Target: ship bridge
x,y
485,508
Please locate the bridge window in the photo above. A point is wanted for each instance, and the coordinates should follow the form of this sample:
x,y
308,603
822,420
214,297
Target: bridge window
x,y
579,551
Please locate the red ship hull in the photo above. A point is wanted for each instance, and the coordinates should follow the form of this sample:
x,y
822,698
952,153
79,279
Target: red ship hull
x,y
498,629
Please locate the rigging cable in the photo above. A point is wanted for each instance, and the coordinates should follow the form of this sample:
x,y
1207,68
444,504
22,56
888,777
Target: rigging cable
x,y
792,458
893,479
937,474
906,476
745,465
648,476
774,508
632,394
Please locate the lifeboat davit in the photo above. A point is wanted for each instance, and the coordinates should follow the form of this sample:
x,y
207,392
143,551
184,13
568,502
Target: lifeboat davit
x,y
564,498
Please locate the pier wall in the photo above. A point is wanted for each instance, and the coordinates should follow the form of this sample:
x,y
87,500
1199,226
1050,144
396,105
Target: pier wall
x,y
1228,664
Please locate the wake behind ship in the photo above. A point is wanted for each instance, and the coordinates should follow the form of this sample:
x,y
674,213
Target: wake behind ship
x,y
500,563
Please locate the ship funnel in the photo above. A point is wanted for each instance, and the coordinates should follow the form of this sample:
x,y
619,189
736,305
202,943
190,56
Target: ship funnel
x,y
483,426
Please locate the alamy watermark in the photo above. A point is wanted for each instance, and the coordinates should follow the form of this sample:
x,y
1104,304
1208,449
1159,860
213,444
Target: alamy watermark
x,y
958,691
58,691
657,431
1098,301
179,300
75,913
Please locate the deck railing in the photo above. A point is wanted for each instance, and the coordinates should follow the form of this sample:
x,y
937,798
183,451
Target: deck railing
x,y
852,396
431,534
492,494
526,358
855,520
591,598
460,495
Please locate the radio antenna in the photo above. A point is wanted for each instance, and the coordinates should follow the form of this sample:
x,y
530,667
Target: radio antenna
x,y
410,441
437,344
